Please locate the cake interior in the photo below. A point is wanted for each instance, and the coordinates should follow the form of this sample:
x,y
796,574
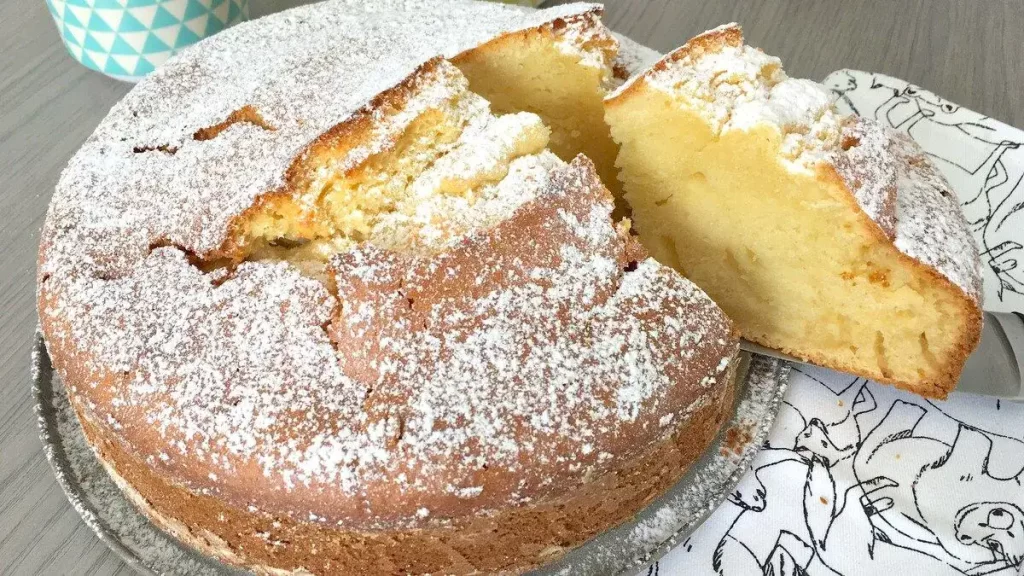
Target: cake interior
x,y
514,106
784,251
530,71
452,166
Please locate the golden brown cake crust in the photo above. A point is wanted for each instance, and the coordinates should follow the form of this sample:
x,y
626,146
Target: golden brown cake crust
x,y
278,545
553,370
711,41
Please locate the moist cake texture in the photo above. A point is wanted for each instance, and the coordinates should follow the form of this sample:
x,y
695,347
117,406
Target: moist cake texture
x,y
827,237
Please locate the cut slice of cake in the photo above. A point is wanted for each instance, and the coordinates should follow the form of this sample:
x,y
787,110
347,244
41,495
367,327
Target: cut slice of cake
x,y
830,238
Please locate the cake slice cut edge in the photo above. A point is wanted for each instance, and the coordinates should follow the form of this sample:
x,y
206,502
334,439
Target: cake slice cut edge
x,y
830,238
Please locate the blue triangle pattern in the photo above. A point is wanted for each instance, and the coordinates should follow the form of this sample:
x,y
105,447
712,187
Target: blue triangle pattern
x,y
154,44
130,23
192,9
234,11
89,63
164,18
122,47
114,68
186,37
213,26
143,67
70,18
92,44
69,38
96,24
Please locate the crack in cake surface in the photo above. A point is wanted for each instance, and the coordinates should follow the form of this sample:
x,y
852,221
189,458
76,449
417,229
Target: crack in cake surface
x,y
429,308
247,114
454,167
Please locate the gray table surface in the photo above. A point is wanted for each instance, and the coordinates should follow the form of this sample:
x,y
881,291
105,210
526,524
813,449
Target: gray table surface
x,y
971,52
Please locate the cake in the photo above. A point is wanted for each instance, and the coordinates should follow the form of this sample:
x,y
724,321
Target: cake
x,y
321,308
830,238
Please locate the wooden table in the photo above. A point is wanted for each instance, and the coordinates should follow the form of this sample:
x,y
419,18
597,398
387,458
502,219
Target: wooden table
x,y
970,52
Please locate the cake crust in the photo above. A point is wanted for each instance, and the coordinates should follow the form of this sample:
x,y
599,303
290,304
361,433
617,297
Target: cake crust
x,y
417,448
278,545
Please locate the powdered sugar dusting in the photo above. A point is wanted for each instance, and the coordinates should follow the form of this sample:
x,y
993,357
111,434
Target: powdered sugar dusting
x,y
93,494
582,40
474,185
562,344
905,194
681,512
510,347
931,227
670,519
865,163
737,87
641,62
633,57
109,514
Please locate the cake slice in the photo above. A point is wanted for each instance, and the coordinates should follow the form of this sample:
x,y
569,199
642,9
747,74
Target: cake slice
x,y
830,238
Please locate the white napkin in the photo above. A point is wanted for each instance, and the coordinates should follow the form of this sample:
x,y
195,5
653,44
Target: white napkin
x,y
860,478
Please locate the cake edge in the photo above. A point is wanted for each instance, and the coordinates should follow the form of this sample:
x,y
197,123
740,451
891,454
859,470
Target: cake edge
x,y
136,481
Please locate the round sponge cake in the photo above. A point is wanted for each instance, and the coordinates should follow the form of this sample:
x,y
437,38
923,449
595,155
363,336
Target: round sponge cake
x,y
320,309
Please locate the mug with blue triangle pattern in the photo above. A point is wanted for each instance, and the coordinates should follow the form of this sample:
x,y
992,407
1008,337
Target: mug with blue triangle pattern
x,y
127,39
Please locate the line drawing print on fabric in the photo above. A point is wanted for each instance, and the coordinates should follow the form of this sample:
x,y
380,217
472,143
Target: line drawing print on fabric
x,y
883,479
